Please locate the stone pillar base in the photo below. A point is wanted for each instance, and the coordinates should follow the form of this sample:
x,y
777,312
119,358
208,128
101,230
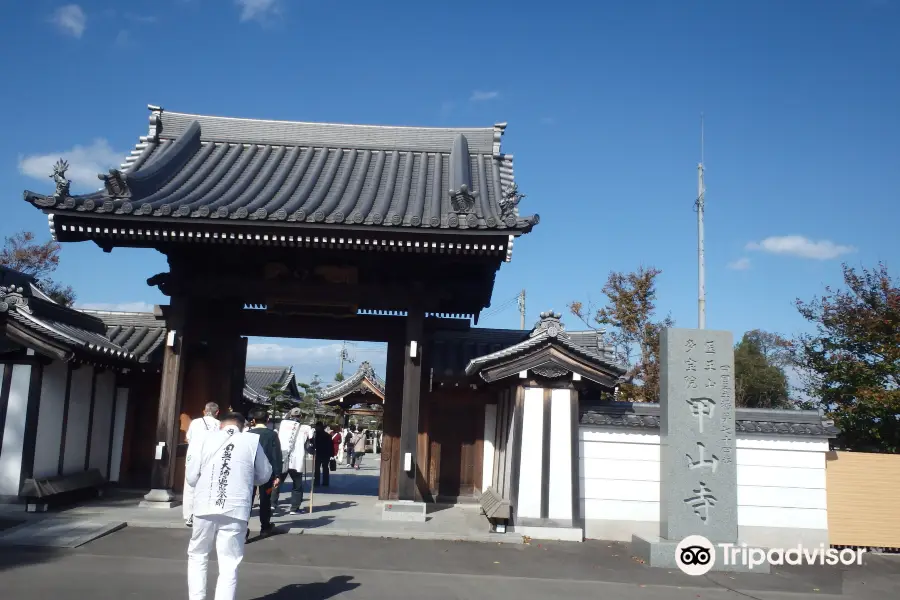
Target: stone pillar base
x,y
404,510
159,499
660,552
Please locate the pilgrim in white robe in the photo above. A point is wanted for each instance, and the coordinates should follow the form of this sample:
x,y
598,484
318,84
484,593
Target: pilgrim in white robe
x,y
223,472
194,436
293,436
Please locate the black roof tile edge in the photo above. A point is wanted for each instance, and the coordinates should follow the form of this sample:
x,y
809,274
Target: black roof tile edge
x,y
627,415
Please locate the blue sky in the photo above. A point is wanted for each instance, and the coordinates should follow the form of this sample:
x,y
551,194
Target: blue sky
x,y
602,100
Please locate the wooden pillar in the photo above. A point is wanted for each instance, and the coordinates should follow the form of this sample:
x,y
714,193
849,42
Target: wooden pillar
x,y
423,446
390,450
409,424
175,351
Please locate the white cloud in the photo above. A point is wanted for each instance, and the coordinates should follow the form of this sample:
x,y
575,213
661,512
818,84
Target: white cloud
x,y
479,96
70,19
123,38
258,10
85,163
146,19
798,245
117,307
741,264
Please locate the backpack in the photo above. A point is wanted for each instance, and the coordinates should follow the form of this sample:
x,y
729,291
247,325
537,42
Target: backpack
x,y
310,446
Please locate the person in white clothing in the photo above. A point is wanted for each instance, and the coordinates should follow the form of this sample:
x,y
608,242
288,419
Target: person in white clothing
x,y
293,436
223,469
196,430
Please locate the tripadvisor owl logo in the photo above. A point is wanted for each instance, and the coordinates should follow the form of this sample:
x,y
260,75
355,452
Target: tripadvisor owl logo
x,y
695,555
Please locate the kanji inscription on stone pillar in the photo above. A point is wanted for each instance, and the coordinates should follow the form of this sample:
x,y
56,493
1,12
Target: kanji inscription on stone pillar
x,y
698,476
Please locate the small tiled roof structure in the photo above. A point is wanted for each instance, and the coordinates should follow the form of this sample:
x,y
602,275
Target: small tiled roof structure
x,y
645,417
550,351
142,334
257,379
204,168
29,318
364,381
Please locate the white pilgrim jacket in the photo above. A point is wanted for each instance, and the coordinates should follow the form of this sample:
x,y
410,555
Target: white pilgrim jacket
x,y
223,471
293,436
199,426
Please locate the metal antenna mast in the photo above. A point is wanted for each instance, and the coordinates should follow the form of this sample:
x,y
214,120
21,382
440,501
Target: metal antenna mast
x,y
700,205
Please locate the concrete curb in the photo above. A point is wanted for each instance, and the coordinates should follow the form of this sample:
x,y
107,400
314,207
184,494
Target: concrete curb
x,y
411,535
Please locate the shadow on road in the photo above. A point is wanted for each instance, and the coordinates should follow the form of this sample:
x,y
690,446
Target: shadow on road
x,y
313,591
333,506
13,557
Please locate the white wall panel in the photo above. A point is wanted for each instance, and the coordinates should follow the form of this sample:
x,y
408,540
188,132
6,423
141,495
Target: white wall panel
x,y
610,468
50,419
561,484
797,518
77,426
14,431
781,458
783,497
619,510
619,450
530,463
620,489
490,428
119,433
104,395
775,477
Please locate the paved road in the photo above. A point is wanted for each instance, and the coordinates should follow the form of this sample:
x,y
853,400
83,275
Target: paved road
x,y
150,564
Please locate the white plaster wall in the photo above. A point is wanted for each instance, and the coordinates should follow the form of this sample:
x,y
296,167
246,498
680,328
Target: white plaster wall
x,y
104,396
560,492
781,487
530,460
50,419
490,429
77,426
118,433
14,431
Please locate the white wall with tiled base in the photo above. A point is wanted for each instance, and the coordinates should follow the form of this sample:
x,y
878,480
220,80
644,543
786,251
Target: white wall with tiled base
x,y
781,487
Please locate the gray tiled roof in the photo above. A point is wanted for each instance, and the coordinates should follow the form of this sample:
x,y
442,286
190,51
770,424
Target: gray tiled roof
x,y
257,379
365,372
587,344
627,415
205,167
79,333
140,333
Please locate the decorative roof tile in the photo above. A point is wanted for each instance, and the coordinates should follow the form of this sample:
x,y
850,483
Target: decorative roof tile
x,y
364,374
257,379
549,329
646,416
207,168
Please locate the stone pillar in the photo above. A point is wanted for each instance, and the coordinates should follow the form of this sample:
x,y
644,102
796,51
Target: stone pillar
x,y
162,477
698,470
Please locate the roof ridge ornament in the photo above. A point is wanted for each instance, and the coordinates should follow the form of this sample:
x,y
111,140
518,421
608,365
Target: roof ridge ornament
x,y
13,296
462,197
509,201
62,183
551,325
115,183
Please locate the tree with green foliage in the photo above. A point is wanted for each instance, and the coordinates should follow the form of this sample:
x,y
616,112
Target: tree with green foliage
x,y
276,396
310,394
851,363
21,253
338,377
760,359
631,314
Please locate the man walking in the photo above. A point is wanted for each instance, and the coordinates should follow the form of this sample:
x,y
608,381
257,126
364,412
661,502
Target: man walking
x,y
324,450
223,469
196,430
293,436
269,442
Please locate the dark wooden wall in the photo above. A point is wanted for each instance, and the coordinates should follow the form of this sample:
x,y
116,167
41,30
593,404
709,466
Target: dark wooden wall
x,y
139,439
456,442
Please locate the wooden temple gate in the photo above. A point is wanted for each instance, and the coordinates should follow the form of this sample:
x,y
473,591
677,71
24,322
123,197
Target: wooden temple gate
x,y
277,229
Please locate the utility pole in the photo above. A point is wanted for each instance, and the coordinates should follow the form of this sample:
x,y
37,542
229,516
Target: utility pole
x,y
522,310
345,356
701,256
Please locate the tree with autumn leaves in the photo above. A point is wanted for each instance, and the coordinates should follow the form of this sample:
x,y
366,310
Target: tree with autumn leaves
x,y
629,323
22,253
850,364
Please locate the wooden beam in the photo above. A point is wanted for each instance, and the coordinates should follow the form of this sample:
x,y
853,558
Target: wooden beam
x,y
32,415
412,380
162,478
391,421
